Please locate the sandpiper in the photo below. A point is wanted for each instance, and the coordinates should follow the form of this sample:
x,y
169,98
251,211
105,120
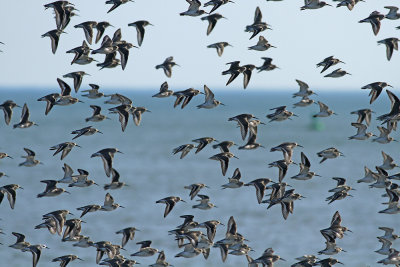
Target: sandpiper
x,y
388,233
305,173
65,98
224,145
386,245
20,243
203,142
260,185
30,160
304,90
223,158
324,111
96,116
329,153
280,114
258,25
392,14
115,183
369,176
65,147
328,62
337,73
314,4
209,101
167,66
140,24
25,122
78,77
247,70
54,37
234,70
363,115
50,100
10,190
375,19
36,251
164,92
376,89
107,155
361,132
384,137
87,27
160,262
267,65
89,130
88,208
243,121
66,259
204,203
234,181
390,43
7,107
193,9
170,203
262,44
101,27
93,93
128,234
82,180
116,3
219,46
109,204
212,21
185,149
51,189
287,149
195,189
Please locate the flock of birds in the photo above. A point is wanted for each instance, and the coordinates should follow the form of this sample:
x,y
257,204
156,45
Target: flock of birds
x,y
189,235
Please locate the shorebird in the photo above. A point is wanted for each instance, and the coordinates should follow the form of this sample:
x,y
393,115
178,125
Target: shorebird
x,y
30,160
93,93
65,147
243,122
328,62
160,262
211,227
390,43
393,204
88,208
392,14
305,173
383,137
50,100
216,4
59,216
335,230
337,73
2,174
116,3
388,233
65,98
348,3
209,101
123,50
304,90
247,70
375,19
224,145
376,89
66,259
393,258
381,179
267,65
387,162
68,175
20,243
167,66
361,132
115,183
140,24
251,141
107,156
54,36
329,153
219,46
369,176
51,189
164,92
195,189
268,258
331,249
36,251
96,116
260,185
262,44
223,158
313,4
234,181
328,262
386,246
185,149
234,70
110,61
287,149
363,115
258,25
204,203
170,203
185,96
137,114
7,107
189,251
212,21
280,114
81,54
87,27
304,102
128,234
25,122
82,180
78,77
193,9
83,242
4,155
73,228
109,204
203,142
324,110
101,27
282,165
89,130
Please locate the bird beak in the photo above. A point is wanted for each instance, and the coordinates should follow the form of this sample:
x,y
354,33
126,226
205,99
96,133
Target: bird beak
x,y
300,146
67,192
235,157
390,85
78,146
81,101
101,132
222,104
183,200
79,259
122,207
120,152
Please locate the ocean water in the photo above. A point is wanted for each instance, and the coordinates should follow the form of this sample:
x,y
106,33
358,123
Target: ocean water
x,y
152,173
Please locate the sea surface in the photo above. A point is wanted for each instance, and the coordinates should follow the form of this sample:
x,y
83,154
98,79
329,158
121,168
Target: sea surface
x,y
152,172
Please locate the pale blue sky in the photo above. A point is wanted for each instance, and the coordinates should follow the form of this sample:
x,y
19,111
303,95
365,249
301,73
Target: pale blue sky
x,y
303,39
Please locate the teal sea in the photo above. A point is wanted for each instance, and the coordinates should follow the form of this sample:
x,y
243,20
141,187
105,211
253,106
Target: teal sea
x,y
153,172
